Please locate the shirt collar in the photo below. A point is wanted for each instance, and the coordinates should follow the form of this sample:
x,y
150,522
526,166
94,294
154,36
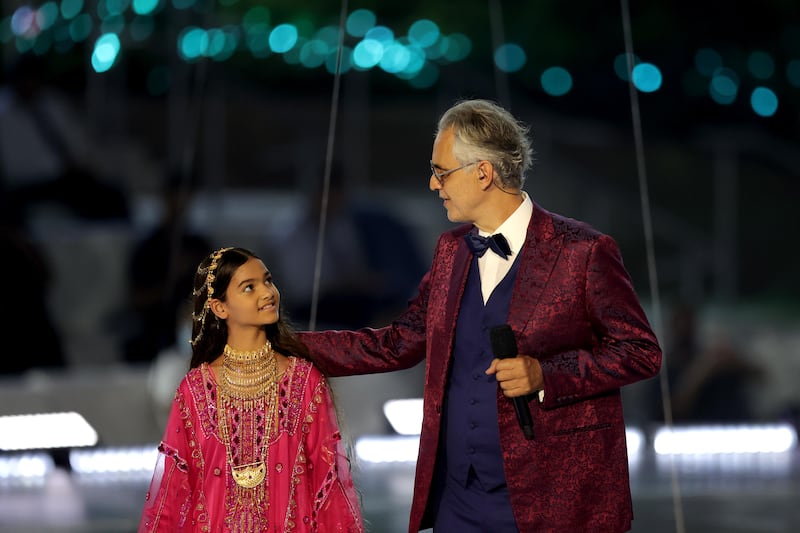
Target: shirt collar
x,y
515,227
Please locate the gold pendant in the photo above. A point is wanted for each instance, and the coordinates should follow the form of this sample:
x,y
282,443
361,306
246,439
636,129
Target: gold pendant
x,y
249,476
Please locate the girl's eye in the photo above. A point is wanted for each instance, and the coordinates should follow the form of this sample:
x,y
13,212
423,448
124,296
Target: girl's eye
x,y
248,287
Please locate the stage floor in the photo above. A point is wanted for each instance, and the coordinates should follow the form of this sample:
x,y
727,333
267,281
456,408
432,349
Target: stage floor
x,y
745,495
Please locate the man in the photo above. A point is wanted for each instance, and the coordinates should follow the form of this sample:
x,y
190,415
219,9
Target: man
x,y
579,329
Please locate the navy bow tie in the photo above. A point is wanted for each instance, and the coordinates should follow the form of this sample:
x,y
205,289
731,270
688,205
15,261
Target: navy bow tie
x,y
496,242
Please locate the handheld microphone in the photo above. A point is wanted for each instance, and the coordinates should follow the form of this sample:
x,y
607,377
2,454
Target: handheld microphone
x,y
504,346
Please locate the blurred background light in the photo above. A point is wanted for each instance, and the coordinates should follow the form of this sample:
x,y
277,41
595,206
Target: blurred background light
x,y
192,43
283,38
761,65
423,33
140,7
510,57
647,77
707,61
345,63
257,17
754,438
141,28
764,101
367,54
81,27
359,22
71,8
724,86
459,47
106,50
556,81
395,58
45,431
621,66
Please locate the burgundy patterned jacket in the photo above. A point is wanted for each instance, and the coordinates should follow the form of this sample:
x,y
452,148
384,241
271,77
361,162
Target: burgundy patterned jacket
x,y
575,310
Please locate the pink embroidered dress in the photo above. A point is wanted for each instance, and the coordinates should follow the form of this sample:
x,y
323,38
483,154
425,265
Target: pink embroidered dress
x,y
308,485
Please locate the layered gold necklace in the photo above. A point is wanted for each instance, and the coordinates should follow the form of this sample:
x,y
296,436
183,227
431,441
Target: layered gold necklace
x,y
247,409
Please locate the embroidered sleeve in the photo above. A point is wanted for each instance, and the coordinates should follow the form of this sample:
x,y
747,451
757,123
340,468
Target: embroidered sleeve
x,y
167,500
335,505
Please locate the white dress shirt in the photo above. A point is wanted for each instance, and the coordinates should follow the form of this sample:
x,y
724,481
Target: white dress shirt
x,y
491,266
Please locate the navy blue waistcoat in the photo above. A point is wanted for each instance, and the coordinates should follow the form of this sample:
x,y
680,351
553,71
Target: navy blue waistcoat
x,y
470,433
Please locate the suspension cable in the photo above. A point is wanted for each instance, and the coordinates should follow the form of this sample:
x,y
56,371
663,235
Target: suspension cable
x,y
651,262
326,183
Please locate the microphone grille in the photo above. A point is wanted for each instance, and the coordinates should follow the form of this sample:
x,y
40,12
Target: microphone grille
x,y
504,345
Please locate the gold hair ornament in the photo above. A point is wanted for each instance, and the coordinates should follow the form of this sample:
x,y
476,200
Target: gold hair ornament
x,y
209,290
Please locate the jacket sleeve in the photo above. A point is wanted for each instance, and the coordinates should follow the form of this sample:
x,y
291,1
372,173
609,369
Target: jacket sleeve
x,y
168,499
397,346
623,347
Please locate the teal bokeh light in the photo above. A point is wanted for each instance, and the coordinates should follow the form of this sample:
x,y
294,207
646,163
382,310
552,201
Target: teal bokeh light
x,y
71,8
423,33
258,16
764,101
329,35
724,86
192,43
183,4
283,38
344,65
510,57
556,81
761,65
707,61
621,68
382,34
144,7
47,15
346,62
367,54
458,48
314,53
141,28
359,22
426,78
113,24
647,77
395,58
81,27
105,53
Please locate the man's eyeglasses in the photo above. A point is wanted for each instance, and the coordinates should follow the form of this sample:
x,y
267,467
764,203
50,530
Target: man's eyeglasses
x,y
441,175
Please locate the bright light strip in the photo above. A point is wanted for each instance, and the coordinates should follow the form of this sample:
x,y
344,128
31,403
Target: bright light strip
x,y
133,460
26,467
44,431
405,416
635,439
775,438
388,449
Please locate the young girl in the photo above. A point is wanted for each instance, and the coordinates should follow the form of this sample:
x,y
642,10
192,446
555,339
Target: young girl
x,y
252,442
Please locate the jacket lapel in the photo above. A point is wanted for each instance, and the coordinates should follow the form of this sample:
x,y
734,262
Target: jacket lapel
x,y
539,255
456,259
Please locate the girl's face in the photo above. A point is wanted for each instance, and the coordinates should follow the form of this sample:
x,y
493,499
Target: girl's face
x,y
251,299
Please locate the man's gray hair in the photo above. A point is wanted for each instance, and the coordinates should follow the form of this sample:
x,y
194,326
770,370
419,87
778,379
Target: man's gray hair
x,y
485,131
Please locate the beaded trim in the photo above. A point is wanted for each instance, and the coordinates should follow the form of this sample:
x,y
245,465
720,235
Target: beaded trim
x,y
209,290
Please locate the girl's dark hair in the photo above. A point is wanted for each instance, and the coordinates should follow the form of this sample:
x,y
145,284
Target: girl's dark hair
x,y
211,334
